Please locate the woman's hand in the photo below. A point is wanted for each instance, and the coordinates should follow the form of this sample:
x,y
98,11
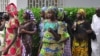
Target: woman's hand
x,y
89,31
23,31
50,30
74,26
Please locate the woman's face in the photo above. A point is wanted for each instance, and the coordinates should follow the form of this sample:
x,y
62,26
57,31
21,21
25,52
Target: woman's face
x,y
42,14
50,14
24,15
79,16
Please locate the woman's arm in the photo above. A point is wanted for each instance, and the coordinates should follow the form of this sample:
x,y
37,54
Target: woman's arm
x,y
28,32
2,25
33,29
57,36
13,41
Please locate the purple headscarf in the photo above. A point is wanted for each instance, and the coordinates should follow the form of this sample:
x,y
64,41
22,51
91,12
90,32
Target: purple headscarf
x,y
31,14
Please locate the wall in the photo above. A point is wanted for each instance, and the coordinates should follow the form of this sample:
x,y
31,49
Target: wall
x,y
3,4
21,4
81,3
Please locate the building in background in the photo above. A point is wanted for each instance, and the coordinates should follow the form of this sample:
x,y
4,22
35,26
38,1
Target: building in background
x,y
22,4
3,4
41,3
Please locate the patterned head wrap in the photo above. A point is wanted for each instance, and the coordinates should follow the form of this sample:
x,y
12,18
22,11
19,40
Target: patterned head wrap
x,y
82,12
30,13
60,13
54,9
12,9
43,9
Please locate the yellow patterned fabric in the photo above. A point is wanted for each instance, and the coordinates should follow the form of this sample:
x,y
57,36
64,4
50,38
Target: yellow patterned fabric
x,y
80,48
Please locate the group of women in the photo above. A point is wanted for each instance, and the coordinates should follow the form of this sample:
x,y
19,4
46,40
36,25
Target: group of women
x,y
58,35
61,37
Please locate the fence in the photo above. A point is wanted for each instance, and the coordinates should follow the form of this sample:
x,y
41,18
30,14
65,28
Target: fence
x,y
41,3
3,4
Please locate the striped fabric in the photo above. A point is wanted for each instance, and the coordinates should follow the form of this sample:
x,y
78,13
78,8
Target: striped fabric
x,y
67,48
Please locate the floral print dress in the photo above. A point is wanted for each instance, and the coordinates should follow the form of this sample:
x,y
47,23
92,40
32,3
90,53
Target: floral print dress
x,y
50,46
81,40
15,49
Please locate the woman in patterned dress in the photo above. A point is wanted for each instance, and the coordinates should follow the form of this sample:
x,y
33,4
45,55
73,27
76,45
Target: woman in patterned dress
x,y
81,41
27,29
52,42
64,24
12,41
13,45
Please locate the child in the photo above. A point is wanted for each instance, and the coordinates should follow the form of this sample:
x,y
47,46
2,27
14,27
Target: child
x,y
51,45
63,31
26,31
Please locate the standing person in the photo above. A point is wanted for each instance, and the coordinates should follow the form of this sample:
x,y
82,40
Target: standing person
x,y
65,35
26,31
42,14
12,41
2,24
96,28
81,41
5,18
51,45
41,25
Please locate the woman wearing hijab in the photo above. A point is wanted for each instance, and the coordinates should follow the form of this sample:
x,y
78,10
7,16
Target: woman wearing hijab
x,y
26,31
81,45
12,41
41,25
63,24
52,42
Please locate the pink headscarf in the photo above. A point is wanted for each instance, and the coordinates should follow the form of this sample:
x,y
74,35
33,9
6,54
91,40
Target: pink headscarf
x,y
12,9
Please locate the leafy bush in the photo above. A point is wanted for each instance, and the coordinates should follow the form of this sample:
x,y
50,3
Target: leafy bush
x,y
71,12
36,12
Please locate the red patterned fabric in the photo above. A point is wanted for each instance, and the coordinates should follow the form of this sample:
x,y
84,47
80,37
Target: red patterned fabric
x,y
15,49
12,9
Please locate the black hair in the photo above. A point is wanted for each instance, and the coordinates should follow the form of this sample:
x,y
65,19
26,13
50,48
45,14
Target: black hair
x,y
5,16
98,12
27,16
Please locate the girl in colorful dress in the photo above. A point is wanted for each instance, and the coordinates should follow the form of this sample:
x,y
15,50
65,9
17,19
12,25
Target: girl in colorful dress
x,y
81,41
52,43
5,18
26,31
41,25
65,35
42,14
12,41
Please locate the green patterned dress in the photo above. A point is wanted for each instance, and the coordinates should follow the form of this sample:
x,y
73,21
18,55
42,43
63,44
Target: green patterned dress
x,y
50,46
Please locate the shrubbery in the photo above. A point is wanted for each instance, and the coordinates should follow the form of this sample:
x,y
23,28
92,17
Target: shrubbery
x,y
70,11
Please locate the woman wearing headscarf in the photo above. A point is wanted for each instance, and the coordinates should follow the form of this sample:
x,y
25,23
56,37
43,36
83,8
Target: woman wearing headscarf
x,y
52,44
5,18
12,41
81,41
26,31
63,30
41,25
43,18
